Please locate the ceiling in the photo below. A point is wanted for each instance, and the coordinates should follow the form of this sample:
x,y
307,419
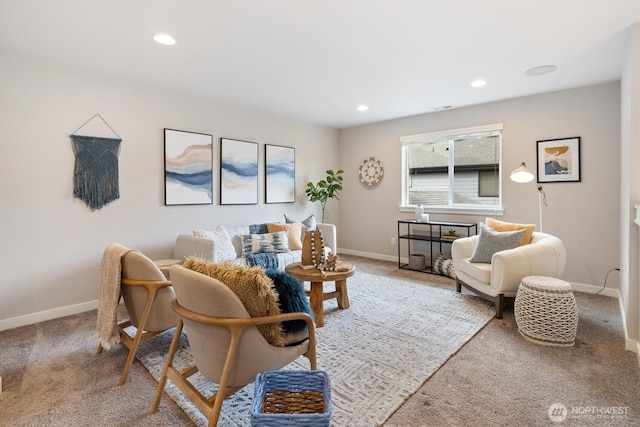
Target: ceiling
x,y
316,61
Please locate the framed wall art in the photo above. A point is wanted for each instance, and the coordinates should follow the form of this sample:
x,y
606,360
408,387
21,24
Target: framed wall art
x,y
188,168
238,172
559,160
280,174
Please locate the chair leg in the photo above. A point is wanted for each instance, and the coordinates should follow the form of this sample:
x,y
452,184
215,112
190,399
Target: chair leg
x,y
167,364
499,306
136,340
224,378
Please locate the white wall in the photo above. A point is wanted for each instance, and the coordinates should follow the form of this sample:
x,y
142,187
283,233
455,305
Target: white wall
x,y
630,193
584,215
50,243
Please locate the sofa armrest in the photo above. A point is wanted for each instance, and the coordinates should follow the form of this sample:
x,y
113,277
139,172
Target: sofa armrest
x,y
187,245
329,236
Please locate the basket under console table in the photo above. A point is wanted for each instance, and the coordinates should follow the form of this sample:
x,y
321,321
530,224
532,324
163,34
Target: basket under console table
x,y
434,234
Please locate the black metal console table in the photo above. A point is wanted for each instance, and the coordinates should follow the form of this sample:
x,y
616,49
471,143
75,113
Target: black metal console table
x,y
434,232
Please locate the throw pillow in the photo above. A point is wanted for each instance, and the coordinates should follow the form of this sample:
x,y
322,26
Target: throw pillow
x,y
308,224
258,229
269,242
223,249
252,287
294,233
444,265
491,241
292,299
510,226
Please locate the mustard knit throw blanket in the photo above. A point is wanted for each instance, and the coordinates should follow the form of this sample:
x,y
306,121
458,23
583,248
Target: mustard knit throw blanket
x,y
110,275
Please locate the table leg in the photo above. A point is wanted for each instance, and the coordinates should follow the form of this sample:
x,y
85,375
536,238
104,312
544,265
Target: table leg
x,y
343,296
316,302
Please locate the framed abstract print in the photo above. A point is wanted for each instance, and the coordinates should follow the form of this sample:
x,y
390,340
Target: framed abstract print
x,y
188,168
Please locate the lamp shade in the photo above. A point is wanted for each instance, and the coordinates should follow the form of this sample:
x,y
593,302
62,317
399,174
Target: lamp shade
x,y
522,174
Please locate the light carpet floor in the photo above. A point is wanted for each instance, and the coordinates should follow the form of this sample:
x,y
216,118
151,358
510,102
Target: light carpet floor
x,y
378,352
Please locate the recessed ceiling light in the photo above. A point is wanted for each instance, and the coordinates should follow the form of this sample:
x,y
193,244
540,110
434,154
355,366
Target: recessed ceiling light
x,y
164,39
362,107
540,71
478,83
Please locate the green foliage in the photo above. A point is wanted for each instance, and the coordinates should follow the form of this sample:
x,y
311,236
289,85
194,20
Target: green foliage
x,y
451,232
325,189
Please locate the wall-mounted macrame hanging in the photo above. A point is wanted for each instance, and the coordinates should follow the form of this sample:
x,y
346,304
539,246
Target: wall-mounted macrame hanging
x,y
95,176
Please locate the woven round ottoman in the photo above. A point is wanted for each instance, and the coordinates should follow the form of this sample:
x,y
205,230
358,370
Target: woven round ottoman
x,y
546,312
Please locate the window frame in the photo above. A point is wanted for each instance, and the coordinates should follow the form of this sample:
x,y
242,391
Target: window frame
x,y
451,207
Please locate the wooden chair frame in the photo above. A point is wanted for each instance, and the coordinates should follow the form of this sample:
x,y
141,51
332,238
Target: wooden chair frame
x,y
211,407
152,287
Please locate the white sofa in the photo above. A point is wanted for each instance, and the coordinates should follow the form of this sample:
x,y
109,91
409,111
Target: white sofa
x,y
499,280
188,245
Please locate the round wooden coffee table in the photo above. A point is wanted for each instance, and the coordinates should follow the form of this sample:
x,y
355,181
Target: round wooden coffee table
x,y
317,279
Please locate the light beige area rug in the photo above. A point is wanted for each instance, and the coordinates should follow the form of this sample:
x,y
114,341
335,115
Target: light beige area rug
x,y
378,352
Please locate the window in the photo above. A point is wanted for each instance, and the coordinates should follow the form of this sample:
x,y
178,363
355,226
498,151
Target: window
x,y
453,170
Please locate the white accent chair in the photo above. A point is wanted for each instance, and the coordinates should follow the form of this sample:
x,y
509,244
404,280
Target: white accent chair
x,y
499,280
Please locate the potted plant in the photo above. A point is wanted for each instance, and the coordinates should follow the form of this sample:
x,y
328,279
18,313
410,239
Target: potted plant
x,y
451,235
325,189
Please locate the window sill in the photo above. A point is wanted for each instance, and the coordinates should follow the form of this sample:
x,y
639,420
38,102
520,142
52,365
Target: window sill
x,y
497,211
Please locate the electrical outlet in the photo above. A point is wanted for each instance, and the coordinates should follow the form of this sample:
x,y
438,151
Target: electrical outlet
x,y
393,241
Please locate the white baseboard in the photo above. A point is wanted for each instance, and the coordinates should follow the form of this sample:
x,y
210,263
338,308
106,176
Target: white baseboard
x,y
368,255
629,343
592,289
578,287
41,316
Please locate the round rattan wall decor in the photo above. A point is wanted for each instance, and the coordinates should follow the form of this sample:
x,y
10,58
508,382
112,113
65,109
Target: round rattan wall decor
x,y
371,171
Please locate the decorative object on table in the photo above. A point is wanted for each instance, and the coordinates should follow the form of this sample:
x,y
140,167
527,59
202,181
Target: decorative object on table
x,y
419,213
95,174
294,398
546,312
559,160
238,172
371,171
522,175
417,262
313,248
280,174
425,217
451,235
325,189
331,260
188,168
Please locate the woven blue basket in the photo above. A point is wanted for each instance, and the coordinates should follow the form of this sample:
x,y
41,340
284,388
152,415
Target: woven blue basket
x,y
292,398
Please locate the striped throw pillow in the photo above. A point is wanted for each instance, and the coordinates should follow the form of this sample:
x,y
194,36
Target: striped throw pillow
x,y
268,242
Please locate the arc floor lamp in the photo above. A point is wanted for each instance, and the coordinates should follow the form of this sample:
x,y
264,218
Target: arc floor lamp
x,y
523,175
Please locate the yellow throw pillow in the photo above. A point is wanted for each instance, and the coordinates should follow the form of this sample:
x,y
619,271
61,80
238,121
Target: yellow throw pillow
x,y
294,230
510,226
252,287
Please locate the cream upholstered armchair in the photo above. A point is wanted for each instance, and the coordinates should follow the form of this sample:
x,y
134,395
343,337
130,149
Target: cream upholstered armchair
x,y
498,279
227,346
